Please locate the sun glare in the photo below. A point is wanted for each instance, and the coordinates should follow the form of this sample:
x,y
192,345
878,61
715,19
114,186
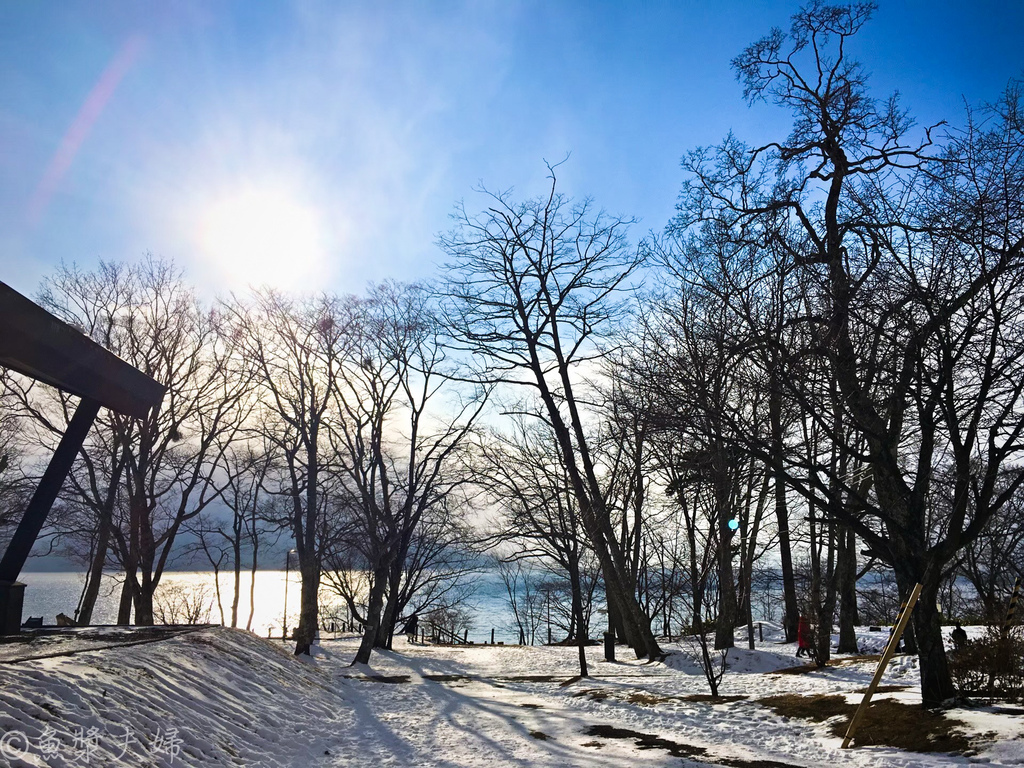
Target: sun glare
x,y
262,237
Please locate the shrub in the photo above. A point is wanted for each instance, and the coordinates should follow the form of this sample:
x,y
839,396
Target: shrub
x,y
990,666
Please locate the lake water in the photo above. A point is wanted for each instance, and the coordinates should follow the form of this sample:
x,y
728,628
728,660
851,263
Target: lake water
x,y
48,594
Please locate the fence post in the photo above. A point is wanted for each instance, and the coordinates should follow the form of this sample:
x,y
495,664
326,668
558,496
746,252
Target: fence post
x,y
609,646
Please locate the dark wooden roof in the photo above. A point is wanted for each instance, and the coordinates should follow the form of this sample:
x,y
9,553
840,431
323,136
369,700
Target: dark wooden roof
x,y
37,344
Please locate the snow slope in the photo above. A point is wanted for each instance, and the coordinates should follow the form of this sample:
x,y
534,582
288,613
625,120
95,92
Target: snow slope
x,y
225,697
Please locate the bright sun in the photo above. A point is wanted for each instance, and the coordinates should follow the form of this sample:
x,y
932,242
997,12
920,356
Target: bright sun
x,y
262,237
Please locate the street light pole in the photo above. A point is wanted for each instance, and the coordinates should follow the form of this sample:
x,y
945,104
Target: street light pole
x,y
284,619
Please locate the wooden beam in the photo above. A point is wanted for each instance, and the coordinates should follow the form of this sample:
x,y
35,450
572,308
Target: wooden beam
x,y
37,344
890,649
49,486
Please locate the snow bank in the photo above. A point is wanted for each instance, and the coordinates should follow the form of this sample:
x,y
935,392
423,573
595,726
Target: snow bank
x,y
209,697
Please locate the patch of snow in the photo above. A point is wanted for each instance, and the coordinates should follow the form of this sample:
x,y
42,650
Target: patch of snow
x,y
226,697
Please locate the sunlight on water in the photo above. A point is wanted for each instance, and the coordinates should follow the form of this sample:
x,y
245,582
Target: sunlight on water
x,y
48,594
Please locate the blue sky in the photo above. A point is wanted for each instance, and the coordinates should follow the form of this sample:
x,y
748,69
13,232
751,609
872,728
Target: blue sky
x,y
322,145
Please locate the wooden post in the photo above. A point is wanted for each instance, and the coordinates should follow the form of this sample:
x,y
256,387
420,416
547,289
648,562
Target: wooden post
x,y
492,635
760,632
887,654
38,508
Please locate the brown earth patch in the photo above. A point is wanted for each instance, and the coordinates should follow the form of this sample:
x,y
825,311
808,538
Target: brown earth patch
x,y
887,723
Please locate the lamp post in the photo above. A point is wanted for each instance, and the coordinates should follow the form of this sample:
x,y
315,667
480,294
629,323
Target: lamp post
x,y
284,619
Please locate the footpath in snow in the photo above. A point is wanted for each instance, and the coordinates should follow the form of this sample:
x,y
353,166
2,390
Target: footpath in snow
x,y
225,697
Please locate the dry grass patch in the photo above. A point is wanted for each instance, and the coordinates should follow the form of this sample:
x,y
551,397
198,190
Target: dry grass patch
x,y
707,698
652,700
533,679
858,659
447,678
887,723
801,670
389,679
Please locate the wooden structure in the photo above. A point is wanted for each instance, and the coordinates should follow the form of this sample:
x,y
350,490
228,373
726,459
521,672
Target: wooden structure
x,y
883,662
35,343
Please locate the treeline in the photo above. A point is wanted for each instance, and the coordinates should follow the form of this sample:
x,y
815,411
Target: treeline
x,y
333,421
812,381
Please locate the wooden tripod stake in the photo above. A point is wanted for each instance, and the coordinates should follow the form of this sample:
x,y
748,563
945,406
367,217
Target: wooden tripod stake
x,y
887,654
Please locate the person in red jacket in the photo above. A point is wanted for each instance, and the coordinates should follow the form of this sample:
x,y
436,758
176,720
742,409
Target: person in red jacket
x,y
803,638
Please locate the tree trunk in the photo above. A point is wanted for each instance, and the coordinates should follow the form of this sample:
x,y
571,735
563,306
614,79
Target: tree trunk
x,y
305,633
143,599
388,621
726,621
792,608
636,626
95,575
905,582
237,552
252,588
936,684
577,612
847,567
374,608
389,618
217,593
124,609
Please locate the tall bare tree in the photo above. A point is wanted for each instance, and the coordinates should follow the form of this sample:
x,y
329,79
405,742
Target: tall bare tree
x,y
400,427
294,348
534,290
527,483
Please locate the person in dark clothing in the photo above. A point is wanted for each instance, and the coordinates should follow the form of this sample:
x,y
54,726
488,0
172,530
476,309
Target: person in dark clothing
x,y
412,626
959,637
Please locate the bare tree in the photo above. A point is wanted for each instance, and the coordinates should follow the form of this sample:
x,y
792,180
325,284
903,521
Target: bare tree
x,y
250,526
400,429
521,583
909,260
525,479
143,479
294,348
533,290
14,450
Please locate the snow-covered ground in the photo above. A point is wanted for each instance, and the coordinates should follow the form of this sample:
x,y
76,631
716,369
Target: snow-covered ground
x,y
225,697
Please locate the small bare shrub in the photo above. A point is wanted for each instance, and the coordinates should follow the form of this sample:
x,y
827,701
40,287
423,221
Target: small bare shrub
x,y
182,604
